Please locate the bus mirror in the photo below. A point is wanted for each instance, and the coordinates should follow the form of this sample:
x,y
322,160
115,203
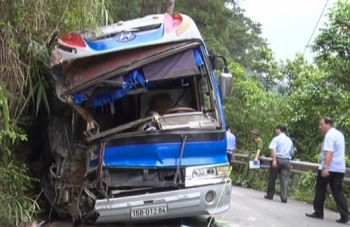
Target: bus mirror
x,y
225,79
225,84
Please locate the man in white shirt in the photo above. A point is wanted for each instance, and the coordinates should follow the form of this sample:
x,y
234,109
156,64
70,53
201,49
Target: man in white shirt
x,y
231,143
282,150
331,171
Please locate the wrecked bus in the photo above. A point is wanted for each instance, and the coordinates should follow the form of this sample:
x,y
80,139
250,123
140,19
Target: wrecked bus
x,y
137,130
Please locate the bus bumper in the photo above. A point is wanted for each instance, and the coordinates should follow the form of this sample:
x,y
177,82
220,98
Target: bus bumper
x,y
189,202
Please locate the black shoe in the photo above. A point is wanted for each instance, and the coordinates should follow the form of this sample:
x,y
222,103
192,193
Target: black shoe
x,y
283,200
342,220
314,215
266,197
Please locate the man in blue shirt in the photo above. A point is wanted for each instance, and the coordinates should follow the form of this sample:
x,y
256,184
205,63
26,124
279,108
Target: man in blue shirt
x,y
331,171
231,143
281,153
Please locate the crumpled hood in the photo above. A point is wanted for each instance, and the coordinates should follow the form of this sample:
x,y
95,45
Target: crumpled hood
x,y
165,155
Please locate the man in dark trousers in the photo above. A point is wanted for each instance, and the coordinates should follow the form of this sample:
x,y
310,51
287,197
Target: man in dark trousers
x,y
231,143
331,171
255,154
281,153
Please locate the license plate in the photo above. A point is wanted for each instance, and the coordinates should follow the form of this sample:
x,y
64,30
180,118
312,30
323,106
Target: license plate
x,y
149,212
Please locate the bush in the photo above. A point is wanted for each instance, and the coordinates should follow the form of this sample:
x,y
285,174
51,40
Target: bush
x,y
14,188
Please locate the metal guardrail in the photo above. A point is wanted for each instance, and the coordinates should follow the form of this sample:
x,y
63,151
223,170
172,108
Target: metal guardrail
x,y
296,167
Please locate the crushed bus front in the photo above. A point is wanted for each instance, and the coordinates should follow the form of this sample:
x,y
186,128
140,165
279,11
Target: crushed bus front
x,y
140,131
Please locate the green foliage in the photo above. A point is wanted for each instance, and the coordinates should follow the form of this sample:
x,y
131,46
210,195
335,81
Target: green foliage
x,y
25,28
266,92
294,92
299,94
24,37
225,30
211,18
250,106
243,40
266,69
332,45
307,181
322,89
5,110
15,185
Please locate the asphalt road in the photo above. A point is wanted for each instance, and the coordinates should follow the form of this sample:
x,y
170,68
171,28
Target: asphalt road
x,y
250,209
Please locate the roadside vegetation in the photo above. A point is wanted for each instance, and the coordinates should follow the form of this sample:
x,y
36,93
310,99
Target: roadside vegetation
x,y
297,93
266,92
26,29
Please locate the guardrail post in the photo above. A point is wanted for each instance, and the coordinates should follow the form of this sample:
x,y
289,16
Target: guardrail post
x,y
295,178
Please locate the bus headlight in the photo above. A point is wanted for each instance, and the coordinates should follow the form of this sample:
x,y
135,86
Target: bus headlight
x,y
206,175
204,172
210,171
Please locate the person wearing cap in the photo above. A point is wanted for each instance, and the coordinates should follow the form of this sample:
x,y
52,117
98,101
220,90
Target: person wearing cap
x,y
254,155
282,150
259,144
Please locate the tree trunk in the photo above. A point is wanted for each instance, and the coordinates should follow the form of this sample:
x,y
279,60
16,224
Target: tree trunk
x,y
170,7
151,7
157,7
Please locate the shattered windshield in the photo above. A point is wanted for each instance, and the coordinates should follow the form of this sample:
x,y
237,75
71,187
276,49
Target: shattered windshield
x,y
172,93
169,104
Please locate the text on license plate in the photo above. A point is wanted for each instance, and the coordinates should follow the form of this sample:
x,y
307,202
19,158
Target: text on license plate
x,y
150,211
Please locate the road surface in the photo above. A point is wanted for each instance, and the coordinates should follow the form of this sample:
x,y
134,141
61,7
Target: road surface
x,y
250,209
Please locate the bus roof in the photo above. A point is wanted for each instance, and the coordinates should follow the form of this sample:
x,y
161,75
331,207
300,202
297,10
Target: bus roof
x,y
146,31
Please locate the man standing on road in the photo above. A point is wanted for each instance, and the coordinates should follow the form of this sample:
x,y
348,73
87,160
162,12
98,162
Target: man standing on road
x,y
331,171
231,144
281,153
254,155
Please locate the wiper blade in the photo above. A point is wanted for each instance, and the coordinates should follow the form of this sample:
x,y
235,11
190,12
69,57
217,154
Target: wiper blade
x,y
184,140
